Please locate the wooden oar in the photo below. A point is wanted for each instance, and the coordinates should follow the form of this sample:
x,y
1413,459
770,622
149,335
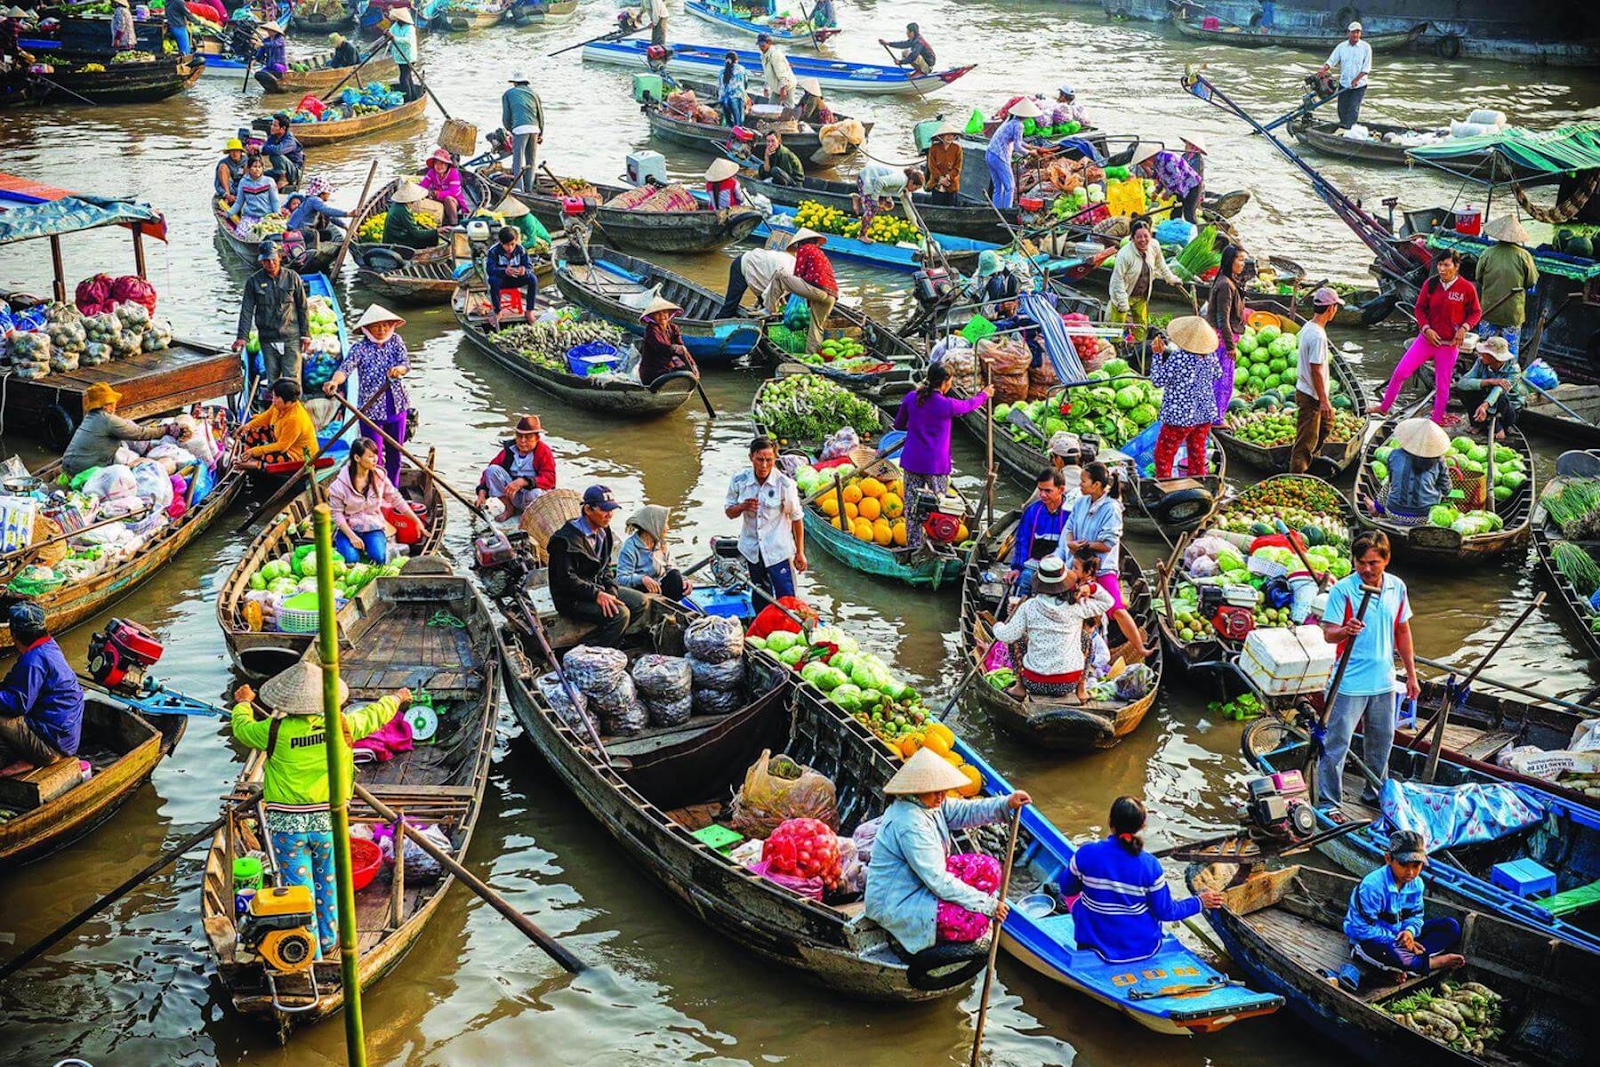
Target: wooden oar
x,y
1583,707
383,41
816,42
35,546
614,35
994,940
472,505
915,86
350,230
551,947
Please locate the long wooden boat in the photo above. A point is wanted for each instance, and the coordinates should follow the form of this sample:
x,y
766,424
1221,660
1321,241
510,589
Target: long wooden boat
x,y
535,12
613,395
944,213
474,191
312,259
960,252
260,653
1541,415
317,22
723,15
1310,41
52,806
470,19
706,60
1570,605
1173,992
654,790
72,602
117,83
899,358
615,287
1060,724
1565,841
311,134
1326,139
319,77
1284,928
650,231
1425,543
713,137
1339,454
441,783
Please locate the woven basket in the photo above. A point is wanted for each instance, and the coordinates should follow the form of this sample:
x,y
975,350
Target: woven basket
x,y
298,621
548,514
44,528
459,138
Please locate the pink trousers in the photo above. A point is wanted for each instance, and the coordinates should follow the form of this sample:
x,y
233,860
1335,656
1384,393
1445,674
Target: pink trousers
x,y
1420,352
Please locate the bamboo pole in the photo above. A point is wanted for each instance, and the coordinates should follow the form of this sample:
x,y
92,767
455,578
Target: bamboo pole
x,y
339,783
994,941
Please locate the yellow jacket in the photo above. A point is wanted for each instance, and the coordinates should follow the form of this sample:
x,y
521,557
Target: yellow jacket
x,y
292,431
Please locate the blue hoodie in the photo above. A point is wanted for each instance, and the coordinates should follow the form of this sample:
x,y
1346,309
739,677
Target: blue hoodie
x,y
44,691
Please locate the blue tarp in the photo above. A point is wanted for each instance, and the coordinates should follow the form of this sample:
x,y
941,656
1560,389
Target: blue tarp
x,y
71,215
1447,816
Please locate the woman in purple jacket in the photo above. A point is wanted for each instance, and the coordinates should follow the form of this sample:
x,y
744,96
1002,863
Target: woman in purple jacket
x,y
925,415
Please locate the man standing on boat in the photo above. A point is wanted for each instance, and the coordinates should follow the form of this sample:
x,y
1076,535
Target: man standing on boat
x,y
1353,57
522,116
1312,400
1506,275
41,702
776,72
653,13
772,536
274,305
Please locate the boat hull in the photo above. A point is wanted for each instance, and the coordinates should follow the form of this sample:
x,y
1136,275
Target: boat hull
x,y
690,59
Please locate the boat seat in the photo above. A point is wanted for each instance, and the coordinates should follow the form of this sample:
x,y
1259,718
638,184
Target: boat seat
x,y
25,786
1486,745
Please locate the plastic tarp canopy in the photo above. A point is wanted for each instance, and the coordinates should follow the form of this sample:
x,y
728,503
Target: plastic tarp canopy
x,y
73,214
1571,267
1552,152
1447,816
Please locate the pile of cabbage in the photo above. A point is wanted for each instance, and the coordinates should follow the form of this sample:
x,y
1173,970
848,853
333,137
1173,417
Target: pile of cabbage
x,y
1113,405
1465,523
296,572
1467,456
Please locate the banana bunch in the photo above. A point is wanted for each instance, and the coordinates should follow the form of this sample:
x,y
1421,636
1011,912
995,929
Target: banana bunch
x,y
547,343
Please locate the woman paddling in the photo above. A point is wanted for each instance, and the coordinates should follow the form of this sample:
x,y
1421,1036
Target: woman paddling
x,y
925,416
662,350
379,357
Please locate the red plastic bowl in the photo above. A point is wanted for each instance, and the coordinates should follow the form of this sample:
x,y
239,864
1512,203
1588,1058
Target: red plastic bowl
x,y
365,859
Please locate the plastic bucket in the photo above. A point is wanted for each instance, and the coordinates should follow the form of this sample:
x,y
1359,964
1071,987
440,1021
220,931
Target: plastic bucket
x,y
247,872
365,859
1469,221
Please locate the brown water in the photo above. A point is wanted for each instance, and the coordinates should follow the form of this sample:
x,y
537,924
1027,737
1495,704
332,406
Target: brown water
x,y
134,986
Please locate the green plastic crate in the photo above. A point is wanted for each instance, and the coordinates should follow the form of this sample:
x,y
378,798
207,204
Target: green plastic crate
x,y
718,837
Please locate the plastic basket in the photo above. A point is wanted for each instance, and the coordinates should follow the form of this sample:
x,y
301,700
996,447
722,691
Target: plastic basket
x,y
977,329
580,358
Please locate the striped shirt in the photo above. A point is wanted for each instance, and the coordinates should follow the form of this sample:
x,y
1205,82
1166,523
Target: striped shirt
x,y
1122,901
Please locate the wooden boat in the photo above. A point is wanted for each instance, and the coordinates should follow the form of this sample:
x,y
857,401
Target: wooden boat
x,y
1039,934
616,287
1566,840
960,252
942,212
377,256
885,386
655,790
1570,606
1060,724
311,134
313,258
706,61
336,16
50,807
1338,455
535,12
614,395
1541,415
723,15
441,783
117,83
261,653
1284,929
321,77
713,137
469,19
926,566
1424,543
1326,138
1310,41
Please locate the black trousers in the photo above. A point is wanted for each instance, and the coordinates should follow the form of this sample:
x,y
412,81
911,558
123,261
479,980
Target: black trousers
x,y
1350,105
737,287
1191,203
611,628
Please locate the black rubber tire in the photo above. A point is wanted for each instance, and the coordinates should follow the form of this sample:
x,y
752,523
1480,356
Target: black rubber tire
x,y
58,427
945,966
1449,46
1182,506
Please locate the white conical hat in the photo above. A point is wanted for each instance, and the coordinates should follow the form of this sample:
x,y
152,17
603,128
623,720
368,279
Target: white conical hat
x,y
1507,228
658,303
377,313
1025,108
721,170
408,193
298,690
511,208
1193,334
925,772
1422,437
1144,153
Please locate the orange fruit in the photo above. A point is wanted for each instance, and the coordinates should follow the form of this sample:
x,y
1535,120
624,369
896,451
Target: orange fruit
x,y
829,505
899,532
852,493
954,759
882,533
837,524
938,744
862,530
939,729
897,487
974,784
909,744
851,512
893,506
870,508
961,534
871,487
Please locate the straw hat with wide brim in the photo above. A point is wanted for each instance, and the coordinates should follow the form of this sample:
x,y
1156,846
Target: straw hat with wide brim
x,y
400,14
1144,153
660,303
1025,108
377,313
1193,334
1422,437
298,690
1197,141
925,772
947,129
1507,228
721,170
511,208
408,193
804,234
269,27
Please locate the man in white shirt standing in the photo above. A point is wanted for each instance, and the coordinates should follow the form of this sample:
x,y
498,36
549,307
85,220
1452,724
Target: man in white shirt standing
x,y
772,535
776,72
1353,57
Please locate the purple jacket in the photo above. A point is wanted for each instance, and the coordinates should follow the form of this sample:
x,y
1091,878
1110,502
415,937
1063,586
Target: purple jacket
x,y
927,429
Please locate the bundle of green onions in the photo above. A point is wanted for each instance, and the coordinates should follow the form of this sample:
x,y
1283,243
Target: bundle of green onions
x,y
1577,567
1575,507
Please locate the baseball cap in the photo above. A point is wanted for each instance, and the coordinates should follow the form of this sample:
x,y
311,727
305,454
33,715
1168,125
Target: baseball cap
x,y
268,250
1405,846
598,496
1353,27
1327,297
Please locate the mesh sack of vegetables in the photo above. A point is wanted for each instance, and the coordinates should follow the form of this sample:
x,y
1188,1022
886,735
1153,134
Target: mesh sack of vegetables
x,y
555,694
729,674
662,678
777,789
669,712
714,639
708,701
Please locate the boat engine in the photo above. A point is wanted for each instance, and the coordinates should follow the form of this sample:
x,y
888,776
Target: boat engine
x,y
279,928
120,654
1232,612
1276,808
502,562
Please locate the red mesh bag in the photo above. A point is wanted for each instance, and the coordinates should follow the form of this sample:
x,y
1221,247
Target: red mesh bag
x,y
92,294
132,289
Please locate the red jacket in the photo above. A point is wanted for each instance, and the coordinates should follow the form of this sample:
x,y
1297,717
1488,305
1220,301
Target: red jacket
x,y
544,464
1447,309
811,265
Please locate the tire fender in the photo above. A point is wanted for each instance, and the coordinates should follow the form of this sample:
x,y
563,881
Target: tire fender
x,y
946,966
1182,506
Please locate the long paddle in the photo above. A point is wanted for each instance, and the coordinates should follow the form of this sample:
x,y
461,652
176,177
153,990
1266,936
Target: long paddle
x,y
816,42
416,77
614,35
994,940
1511,687
382,42
579,705
1367,593
907,72
350,230
552,948
472,505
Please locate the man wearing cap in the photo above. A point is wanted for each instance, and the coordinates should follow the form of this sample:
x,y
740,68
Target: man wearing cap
x,y
41,702
775,71
402,36
1065,97
1353,57
583,572
522,471
96,440
344,52
1312,399
1495,377
779,164
178,18
522,116
274,305
1002,147
918,52
507,266
230,171
1133,275
1506,275
1384,920
944,161
772,536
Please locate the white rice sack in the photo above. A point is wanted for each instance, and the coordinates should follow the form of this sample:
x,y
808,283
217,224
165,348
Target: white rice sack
x,y
1469,129
1486,117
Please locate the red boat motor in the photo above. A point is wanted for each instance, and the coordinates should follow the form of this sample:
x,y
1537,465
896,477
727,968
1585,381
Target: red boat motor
x,y
120,654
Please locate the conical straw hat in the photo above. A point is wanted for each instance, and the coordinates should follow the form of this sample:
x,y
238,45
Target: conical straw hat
x,y
377,313
1193,334
660,303
298,690
1422,437
925,772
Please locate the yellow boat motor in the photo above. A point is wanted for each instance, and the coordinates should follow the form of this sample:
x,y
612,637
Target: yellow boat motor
x,y
280,928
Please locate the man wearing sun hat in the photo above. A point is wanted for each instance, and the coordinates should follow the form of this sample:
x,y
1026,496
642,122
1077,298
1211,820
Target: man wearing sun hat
x,y
96,440
522,116
521,472
344,52
1495,376
583,572
1312,397
1506,275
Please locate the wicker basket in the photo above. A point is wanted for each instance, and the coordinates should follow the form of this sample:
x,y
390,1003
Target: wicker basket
x,y
459,138
44,528
548,514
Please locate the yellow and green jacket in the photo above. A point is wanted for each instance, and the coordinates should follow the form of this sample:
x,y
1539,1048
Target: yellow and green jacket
x,y
297,768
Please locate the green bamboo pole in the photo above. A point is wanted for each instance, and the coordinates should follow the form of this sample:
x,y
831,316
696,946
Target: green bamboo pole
x,y
338,749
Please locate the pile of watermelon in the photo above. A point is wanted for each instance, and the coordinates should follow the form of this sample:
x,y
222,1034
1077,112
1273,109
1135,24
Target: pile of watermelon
x,y
1266,365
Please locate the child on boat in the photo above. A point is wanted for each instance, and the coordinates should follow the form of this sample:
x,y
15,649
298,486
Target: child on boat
x,y
1384,920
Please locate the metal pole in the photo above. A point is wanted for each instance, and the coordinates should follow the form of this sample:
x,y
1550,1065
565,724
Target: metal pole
x,y
338,748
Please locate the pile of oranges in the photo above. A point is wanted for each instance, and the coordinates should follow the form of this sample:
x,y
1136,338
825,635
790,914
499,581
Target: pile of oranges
x,y
871,510
938,737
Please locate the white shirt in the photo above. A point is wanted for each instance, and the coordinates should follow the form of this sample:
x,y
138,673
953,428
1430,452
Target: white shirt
x,y
775,71
654,11
762,266
768,535
1313,353
880,180
1350,60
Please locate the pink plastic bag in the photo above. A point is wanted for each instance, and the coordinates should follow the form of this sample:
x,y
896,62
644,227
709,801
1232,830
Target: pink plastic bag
x,y
806,887
955,923
92,294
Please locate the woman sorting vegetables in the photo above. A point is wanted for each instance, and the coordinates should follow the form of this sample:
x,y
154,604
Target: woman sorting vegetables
x,y
925,416
910,891
365,505
1095,524
1418,478
1052,621
1186,367
379,359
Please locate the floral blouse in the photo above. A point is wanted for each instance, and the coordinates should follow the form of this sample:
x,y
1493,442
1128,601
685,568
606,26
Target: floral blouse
x,y
371,364
1174,174
1187,381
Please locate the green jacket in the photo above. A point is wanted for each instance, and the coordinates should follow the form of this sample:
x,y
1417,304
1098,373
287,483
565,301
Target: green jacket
x,y
399,228
784,161
1502,270
297,769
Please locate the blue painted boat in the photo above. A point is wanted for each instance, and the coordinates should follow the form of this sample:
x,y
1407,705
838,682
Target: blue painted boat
x,y
616,287
1173,992
706,61
722,14
1566,841
332,451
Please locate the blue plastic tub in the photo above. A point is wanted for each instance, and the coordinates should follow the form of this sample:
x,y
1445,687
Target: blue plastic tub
x,y
580,358
714,601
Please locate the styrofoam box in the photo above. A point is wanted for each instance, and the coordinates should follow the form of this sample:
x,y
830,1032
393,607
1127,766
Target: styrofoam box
x,y
1281,662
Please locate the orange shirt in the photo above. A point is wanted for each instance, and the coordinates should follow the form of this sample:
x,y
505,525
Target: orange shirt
x,y
292,431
